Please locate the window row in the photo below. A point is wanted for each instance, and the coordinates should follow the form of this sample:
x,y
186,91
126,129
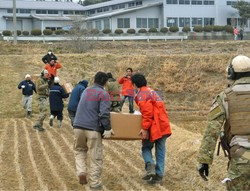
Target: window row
x,y
231,3
182,22
147,23
192,2
50,12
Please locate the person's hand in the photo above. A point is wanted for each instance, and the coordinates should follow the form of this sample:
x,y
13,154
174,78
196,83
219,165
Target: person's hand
x,y
23,86
203,171
52,77
108,133
144,134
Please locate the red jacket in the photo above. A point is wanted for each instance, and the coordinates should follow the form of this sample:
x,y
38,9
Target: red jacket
x,y
154,114
127,87
52,69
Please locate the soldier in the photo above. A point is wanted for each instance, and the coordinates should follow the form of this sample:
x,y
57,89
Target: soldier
x,y
229,119
43,94
114,92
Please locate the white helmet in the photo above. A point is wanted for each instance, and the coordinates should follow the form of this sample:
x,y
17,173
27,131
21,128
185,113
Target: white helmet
x,y
241,64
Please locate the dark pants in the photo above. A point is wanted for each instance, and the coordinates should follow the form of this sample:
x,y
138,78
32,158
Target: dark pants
x,y
72,115
131,103
57,114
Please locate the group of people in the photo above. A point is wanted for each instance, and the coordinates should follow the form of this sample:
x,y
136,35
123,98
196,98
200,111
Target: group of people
x,y
238,34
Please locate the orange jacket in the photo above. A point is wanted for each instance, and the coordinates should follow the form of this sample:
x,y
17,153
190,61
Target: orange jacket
x,y
127,87
52,69
154,114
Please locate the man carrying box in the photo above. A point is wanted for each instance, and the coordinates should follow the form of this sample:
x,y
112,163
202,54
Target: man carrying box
x,y
92,122
155,129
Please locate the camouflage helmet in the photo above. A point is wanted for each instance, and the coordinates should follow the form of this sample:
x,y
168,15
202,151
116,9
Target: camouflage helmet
x,y
241,64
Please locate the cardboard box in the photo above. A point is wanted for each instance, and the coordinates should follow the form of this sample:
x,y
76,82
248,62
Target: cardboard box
x,y
125,126
67,87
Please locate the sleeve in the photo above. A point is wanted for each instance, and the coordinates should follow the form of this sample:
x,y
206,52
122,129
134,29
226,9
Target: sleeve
x,y
147,111
216,119
120,80
58,65
34,87
41,86
20,84
64,94
54,56
104,113
44,59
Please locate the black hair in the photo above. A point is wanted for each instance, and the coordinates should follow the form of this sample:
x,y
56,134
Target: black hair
x,y
109,74
101,78
131,70
139,80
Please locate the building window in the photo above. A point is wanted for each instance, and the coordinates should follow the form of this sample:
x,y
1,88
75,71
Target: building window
x,y
106,24
196,2
141,23
138,3
68,12
196,22
131,4
9,10
52,12
184,2
27,11
172,2
98,25
121,6
89,25
99,10
184,22
105,9
208,2
91,12
123,23
208,21
172,21
114,7
231,3
153,23
41,11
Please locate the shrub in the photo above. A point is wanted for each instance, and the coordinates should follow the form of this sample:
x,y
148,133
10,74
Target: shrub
x,y
153,30
197,29
106,31
6,33
186,29
142,31
218,28
131,31
228,28
207,28
47,32
26,33
18,32
36,32
94,31
164,30
118,31
59,32
174,29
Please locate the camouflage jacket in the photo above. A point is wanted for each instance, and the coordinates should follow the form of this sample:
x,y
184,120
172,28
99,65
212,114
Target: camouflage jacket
x,y
42,87
113,89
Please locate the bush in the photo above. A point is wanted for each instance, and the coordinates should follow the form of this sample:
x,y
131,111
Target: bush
x,y
174,29
131,31
218,28
106,31
94,31
208,28
59,32
164,30
47,32
36,32
153,30
6,33
186,29
197,29
26,33
228,28
118,31
142,31
18,32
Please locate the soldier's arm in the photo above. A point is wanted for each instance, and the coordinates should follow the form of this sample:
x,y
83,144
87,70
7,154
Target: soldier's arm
x,y
41,86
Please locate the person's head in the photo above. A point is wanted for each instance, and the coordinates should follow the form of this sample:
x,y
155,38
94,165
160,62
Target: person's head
x,y
56,80
45,73
129,71
52,62
50,52
101,78
139,80
27,77
238,68
110,76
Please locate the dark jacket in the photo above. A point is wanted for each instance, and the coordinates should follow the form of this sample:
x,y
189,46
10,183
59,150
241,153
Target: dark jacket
x,y
93,111
46,59
76,95
56,94
29,87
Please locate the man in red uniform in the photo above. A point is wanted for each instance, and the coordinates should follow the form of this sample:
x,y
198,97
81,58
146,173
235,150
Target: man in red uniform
x,y
52,68
155,129
127,89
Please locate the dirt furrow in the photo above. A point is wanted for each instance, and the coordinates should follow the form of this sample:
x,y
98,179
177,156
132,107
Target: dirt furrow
x,y
3,135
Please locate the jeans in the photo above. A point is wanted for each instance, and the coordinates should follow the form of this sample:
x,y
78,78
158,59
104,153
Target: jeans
x,y
131,103
160,149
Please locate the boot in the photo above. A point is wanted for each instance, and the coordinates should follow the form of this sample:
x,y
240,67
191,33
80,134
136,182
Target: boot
x,y
150,171
156,179
29,114
51,118
59,123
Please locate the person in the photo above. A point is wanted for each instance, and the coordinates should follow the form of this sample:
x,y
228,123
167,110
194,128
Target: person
x,y
75,98
56,95
92,122
236,32
52,68
27,87
241,34
155,129
42,98
48,57
114,92
229,119
127,89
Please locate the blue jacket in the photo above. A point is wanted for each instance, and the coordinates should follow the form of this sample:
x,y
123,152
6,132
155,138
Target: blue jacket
x,y
76,95
56,94
29,87
93,111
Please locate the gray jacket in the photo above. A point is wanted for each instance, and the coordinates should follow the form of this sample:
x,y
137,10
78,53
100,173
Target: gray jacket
x,y
93,110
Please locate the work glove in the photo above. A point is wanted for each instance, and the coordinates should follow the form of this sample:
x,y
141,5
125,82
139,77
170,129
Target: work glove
x,y
203,171
108,133
23,86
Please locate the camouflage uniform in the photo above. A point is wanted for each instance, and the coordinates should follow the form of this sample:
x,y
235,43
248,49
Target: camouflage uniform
x,y
114,92
239,164
43,93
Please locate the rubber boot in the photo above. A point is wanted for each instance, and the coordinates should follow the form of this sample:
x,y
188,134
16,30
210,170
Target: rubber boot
x,y
150,171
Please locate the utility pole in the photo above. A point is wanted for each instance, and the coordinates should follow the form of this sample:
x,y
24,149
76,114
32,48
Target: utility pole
x,y
14,22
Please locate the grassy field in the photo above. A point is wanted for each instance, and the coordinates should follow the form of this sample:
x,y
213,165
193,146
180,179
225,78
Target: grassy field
x,y
189,74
